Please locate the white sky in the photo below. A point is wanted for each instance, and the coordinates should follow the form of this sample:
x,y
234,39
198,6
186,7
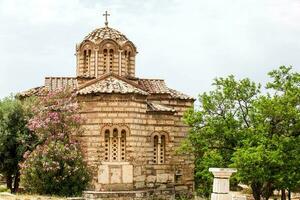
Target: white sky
x,y
188,43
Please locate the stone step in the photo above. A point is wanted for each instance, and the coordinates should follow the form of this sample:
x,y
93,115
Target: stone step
x,y
165,194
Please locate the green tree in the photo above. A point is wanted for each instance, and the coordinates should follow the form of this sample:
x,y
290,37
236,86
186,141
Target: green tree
x,y
15,139
218,126
238,126
270,156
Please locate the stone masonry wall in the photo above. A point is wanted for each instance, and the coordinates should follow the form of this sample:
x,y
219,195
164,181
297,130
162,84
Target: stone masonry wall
x,y
131,111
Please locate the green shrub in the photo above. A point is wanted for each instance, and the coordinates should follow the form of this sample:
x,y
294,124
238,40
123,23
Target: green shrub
x,y
56,168
3,188
56,165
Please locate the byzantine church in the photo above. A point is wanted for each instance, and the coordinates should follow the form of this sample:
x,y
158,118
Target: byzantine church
x,y
133,125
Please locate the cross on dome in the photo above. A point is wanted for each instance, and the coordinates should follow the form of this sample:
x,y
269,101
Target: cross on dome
x,y
106,15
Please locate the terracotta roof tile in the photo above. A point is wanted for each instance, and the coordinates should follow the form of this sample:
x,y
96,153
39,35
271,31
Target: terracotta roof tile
x,y
158,86
179,95
154,86
37,91
100,34
110,84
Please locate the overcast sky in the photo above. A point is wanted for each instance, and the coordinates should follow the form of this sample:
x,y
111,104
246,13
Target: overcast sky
x,y
187,43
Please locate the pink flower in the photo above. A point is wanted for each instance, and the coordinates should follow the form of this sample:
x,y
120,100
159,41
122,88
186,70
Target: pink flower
x,y
26,154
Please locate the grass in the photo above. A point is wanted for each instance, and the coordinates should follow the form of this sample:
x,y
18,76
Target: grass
x,y
5,195
29,197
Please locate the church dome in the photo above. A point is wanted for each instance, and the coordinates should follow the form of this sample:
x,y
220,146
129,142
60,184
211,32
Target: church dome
x,y
104,33
105,50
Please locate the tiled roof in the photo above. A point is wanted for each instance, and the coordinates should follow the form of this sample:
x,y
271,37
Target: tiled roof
x,y
51,84
179,95
54,83
158,86
37,91
154,86
110,84
106,33
155,107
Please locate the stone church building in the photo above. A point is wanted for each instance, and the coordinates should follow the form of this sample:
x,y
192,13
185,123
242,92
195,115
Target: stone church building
x,y
134,125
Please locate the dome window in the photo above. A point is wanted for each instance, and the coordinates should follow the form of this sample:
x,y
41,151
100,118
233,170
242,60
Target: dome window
x,y
111,59
105,60
87,60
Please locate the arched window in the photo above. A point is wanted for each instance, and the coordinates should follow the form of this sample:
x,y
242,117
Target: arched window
x,y
108,58
111,59
127,61
86,60
115,145
105,60
159,148
107,145
123,145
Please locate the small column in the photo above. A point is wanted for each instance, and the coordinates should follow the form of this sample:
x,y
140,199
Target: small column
x,y
221,183
96,63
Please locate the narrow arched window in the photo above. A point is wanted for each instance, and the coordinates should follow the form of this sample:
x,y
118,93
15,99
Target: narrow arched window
x,y
123,145
111,59
105,60
159,148
115,145
128,62
86,60
155,149
107,145
162,149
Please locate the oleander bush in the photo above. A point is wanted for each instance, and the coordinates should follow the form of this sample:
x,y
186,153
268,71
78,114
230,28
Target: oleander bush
x,y
56,166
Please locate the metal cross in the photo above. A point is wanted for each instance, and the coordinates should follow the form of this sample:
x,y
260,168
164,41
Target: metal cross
x,y
106,15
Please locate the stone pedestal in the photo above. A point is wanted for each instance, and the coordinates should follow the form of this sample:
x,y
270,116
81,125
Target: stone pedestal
x,y
221,183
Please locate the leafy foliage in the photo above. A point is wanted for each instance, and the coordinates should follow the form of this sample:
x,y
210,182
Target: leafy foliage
x,y
15,138
218,126
238,126
56,166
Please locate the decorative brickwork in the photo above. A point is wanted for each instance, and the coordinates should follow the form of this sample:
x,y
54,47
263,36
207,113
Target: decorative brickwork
x,y
133,126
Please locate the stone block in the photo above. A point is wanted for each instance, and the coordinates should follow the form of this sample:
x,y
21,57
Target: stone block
x,y
140,178
103,174
127,173
181,188
150,185
171,178
221,185
138,171
139,185
162,178
151,179
115,174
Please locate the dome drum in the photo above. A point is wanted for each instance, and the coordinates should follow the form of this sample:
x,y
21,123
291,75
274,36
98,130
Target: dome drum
x,y
105,50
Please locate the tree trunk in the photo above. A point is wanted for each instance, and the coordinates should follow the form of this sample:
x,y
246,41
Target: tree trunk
x,y
256,190
9,182
283,197
267,190
16,182
289,194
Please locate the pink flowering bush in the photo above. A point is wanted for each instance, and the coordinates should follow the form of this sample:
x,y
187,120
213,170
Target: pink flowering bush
x,y
56,166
